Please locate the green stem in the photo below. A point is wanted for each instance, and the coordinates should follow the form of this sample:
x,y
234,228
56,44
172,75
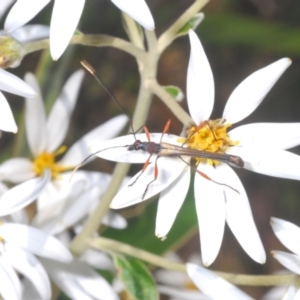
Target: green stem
x,y
112,246
79,244
168,36
170,102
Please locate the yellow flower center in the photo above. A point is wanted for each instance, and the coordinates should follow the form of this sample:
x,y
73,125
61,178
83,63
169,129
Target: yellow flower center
x,y
47,161
209,136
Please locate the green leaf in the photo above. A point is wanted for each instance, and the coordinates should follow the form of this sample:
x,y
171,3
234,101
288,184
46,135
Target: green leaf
x,y
193,23
136,278
175,92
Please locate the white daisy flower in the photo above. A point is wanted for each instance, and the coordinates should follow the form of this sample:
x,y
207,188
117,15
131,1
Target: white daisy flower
x,y
65,18
219,194
44,139
288,234
19,245
63,204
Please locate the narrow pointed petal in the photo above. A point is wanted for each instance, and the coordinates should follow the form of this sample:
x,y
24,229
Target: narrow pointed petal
x,y
31,33
27,264
35,241
114,220
60,115
168,170
170,202
64,20
117,149
97,259
12,84
137,10
210,207
16,170
251,91
79,276
23,194
35,119
239,216
200,82
214,286
272,162
10,287
7,121
22,12
279,135
79,151
287,233
290,261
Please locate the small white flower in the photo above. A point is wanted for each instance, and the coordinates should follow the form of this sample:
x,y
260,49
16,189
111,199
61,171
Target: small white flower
x,y
65,18
219,194
44,139
19,245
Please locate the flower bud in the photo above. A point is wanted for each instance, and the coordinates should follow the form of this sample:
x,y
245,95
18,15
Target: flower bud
x,y
11,52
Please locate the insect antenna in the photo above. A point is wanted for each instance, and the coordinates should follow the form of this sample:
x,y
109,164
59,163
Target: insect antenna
x,y
92,71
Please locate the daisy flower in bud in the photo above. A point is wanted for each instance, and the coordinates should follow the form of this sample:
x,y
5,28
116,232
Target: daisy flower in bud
x,y
219,194
44,137
288,233
18,246
65,18
213,285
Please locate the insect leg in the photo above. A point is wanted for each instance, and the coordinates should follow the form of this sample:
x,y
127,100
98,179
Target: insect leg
x,y
146,164
207,177
155,177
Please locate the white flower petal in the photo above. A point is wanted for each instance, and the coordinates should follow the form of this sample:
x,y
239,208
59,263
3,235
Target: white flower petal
x,y
210,207
79,151
27,264
97,259
251,91
31,33
23,194
288,234
178,293
137,10
114,220
168,170
4,6
272,162
16,170
239,216
12,84
214,286
170,202
35,119
10,287
7,121
200,82
64,20
34,240
279,135
117,149
78,275
290,261
22,12
59,117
